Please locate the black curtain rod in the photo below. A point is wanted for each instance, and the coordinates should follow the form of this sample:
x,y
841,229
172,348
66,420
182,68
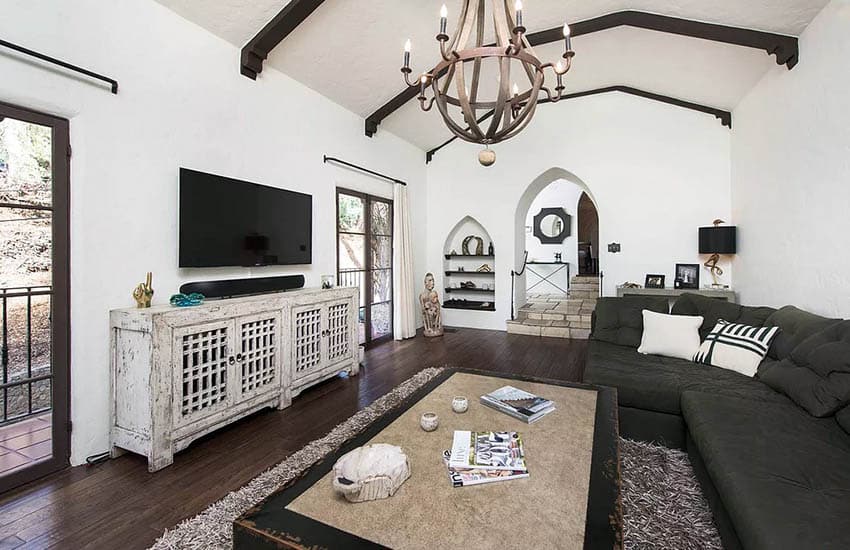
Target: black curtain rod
x,y
112,83
328,159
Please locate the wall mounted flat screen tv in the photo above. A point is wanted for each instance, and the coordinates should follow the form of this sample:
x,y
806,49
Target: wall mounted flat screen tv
x,y
227,222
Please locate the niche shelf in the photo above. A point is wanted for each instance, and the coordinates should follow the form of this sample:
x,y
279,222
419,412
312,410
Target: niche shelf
x,y
469,305
461,268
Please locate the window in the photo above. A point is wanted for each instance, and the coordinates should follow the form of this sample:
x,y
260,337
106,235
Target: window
x,y
365,259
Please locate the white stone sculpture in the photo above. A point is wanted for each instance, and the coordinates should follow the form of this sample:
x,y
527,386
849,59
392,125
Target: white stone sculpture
x,y
372,472
432,315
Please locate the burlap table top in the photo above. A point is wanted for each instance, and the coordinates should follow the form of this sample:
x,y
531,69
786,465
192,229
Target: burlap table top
x,y
546,510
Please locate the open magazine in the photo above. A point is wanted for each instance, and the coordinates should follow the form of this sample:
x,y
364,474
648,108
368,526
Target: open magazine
x,y
464,477
487,451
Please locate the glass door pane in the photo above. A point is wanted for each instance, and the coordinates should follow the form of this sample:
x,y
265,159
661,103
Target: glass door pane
x,y
365,254
29,445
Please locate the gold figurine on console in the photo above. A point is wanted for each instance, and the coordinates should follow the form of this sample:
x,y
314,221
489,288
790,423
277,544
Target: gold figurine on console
x,y
144,292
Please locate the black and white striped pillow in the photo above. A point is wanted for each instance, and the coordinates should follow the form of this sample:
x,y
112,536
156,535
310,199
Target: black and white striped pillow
x,y
740,348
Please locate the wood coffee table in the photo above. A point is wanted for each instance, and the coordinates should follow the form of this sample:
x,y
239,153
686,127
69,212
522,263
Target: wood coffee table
x,y
570,500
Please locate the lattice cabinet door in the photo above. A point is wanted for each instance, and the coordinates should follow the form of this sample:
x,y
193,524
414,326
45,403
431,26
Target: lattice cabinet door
x,y
339,345
203,371
307,340
258,354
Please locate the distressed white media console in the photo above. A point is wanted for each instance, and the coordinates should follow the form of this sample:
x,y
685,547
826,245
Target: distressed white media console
x,y
180,373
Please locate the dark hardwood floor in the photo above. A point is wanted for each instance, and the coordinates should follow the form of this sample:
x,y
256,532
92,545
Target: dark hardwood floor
x,y
118,504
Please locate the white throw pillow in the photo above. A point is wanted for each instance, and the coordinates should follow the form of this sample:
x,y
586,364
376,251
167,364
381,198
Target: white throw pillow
x,y
740,348
670,335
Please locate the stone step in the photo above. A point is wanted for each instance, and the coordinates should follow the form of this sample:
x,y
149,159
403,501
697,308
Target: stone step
x,y
550,329
593,289
584,294
585,279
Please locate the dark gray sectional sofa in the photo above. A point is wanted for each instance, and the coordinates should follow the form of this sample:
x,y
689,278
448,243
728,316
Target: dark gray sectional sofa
x,y
776,476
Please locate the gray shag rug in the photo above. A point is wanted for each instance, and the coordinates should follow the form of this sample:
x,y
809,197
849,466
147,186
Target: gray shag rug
x,y
663,505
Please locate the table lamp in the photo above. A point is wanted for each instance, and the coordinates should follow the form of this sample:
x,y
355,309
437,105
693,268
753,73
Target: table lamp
x,y
717,240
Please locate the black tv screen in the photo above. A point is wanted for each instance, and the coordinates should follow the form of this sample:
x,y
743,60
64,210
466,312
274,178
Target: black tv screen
x,y
227,222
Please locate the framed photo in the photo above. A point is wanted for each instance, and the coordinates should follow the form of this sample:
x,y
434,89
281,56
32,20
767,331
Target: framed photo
x,y
687,276
654,281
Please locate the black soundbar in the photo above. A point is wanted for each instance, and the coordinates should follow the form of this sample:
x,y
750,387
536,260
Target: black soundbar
x,y
243,287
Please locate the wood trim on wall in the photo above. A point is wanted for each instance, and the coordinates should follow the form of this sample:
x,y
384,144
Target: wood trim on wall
x,y
725,117
255,52
785,48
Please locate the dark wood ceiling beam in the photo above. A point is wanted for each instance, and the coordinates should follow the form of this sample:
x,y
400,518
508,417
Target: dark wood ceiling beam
x,y
257,50
725,117
785,48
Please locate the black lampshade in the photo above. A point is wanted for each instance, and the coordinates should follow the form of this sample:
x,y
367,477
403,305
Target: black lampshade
x,y
718,240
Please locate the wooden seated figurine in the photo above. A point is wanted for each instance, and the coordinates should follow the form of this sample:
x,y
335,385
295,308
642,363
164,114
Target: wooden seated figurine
x,y
429,300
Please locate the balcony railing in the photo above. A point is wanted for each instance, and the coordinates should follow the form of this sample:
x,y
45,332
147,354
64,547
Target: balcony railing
x,y
27,381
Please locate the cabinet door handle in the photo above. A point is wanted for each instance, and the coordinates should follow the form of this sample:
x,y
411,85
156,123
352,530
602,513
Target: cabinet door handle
x,y
240,357
231,360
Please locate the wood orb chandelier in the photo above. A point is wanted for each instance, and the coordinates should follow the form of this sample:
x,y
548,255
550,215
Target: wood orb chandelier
x,y
473,111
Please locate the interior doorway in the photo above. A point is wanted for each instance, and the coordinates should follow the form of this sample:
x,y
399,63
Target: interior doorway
x,y
34,295
588,236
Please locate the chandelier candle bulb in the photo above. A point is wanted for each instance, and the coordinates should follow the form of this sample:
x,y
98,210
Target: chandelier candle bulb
x,y
519,13
407,48
567,37
444,14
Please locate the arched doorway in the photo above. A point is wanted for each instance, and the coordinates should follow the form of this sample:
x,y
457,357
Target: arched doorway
x,y
560,315
588,236
531,192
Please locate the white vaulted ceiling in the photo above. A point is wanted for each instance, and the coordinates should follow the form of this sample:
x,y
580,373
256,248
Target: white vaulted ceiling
x,y
351,50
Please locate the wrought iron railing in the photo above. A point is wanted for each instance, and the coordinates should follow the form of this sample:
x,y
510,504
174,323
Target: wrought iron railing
x,y
351,278
26,387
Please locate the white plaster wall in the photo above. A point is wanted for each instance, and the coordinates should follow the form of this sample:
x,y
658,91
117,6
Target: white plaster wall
x,y
563,194
791,176
655,172
182,102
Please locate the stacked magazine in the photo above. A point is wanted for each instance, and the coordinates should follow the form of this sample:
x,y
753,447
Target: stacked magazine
x,y
518,403
485,457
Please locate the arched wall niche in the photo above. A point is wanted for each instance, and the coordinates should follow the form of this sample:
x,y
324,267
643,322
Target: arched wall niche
x,y
459,269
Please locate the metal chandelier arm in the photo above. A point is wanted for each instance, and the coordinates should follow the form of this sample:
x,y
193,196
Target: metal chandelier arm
x,y
513,107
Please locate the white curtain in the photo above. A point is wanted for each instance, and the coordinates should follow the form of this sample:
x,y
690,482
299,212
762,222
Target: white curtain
x,y
404,293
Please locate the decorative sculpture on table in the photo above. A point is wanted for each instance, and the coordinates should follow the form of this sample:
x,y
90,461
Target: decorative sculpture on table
x,y
186,300
370,473
144,292
479,248
429,300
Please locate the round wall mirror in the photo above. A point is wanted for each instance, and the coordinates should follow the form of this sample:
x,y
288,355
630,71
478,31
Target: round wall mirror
x,y
552,225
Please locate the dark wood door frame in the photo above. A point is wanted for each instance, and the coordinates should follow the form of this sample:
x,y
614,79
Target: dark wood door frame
x,y
60,324
367,260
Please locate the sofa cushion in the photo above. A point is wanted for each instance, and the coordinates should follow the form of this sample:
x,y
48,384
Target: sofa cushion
x,y
713,309
670,335
816,375
655,383
781,474
736,347
796,325
843,418
620,320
